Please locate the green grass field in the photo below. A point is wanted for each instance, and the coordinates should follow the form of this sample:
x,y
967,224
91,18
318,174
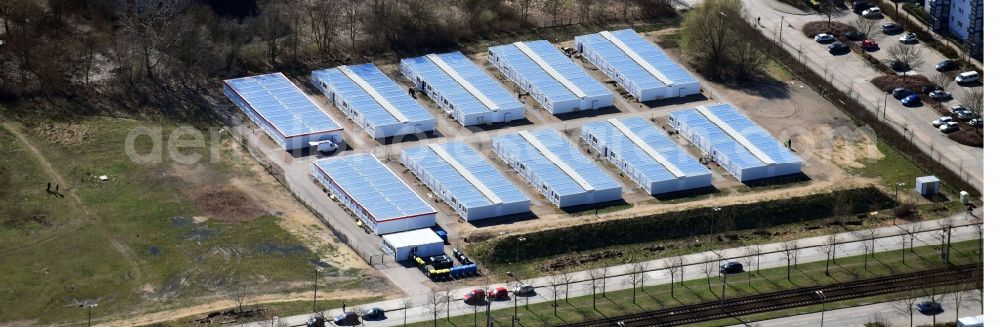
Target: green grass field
x,y
139,249
702,290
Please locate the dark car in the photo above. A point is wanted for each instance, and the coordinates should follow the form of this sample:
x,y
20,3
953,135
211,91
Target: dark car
x,y
940,95
898,65
891,28
901,92
911,100
731,267
929,308
316,321
854,36
349,318
946,65
475,296
373,314
837,47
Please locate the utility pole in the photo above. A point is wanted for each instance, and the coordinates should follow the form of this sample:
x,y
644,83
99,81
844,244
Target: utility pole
x,y
316,287
822,312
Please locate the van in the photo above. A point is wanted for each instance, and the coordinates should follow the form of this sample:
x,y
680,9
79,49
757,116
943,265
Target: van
x,y
967,77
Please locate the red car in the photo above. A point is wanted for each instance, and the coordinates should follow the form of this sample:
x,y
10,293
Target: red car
x,y
475,296
869,44
498,293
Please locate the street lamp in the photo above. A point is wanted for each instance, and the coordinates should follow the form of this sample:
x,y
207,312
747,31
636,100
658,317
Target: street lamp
x,y
896,192
711,224
90,307
517,249
822,312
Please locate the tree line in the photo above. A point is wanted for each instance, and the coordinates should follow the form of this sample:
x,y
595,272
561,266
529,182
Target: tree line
x,y
135,48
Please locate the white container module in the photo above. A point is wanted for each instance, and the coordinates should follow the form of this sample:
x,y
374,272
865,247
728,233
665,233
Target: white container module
x,y
420,242
928,185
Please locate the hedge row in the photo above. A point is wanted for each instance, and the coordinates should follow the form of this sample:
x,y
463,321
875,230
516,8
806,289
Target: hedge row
x,y
680,224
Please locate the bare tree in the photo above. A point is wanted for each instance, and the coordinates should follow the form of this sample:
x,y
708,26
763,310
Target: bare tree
x,y
354,19
828,8
565,279
448,295
932,294
708,31
324,22
554,282
906,306
596,278
973,99
435,304
867,27
634,278
909,55
753,260
406,307
706,268
943,79
946,224
524,7
552,8
674,265
958,295
872,234
238,290
828,248
789,250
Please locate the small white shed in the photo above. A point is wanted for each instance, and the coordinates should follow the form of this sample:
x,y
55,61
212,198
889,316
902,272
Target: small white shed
x,y
422,242
928,185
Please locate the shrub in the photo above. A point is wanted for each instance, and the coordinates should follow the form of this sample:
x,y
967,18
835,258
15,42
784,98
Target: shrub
x,y
679,224
835,28
970,137
913,82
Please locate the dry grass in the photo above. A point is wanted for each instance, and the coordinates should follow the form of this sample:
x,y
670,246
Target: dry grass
x,y
970,137
913,82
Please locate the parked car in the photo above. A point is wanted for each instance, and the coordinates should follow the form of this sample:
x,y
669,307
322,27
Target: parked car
x,y
499,292
940,95
965,115
854,36
911,100
872,12
946,65
929,308
956,108
927,89
730,267
948,127
891,28
901,92
837,47
977,122
349,318
967,77
908,38
524,290
373,314
869,44
316,321
941,121
899,66
824,38
475,296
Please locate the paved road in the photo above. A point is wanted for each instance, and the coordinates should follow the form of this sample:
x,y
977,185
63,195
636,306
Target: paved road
x,y
851,74
418,305
886,312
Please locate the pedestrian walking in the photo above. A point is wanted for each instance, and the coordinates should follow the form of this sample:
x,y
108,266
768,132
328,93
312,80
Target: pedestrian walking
x,y
57,188
343,306
758,20
48,188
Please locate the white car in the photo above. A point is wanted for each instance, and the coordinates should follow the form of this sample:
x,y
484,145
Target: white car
x,y
908,38
941,121
967,77
948,127
872,12
823,37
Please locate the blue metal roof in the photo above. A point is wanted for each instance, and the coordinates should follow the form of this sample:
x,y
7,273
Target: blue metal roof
x,y
367,104
372,185
632,70
630,151
282,104
465,190
722,142
549,85
548,171
453,91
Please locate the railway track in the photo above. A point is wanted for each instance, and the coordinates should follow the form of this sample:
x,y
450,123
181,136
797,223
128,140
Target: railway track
x,y
793,298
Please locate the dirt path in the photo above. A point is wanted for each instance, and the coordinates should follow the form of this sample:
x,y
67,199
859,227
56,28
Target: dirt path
x,y
120,247
217,305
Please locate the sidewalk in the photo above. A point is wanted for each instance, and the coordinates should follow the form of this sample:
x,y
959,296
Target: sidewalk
x,y
418,306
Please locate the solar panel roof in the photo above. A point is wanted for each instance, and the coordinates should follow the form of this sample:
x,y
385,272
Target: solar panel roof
x,y
463,83
630,137
465,174
386,104
571,173
548,69
283,105
372,185
734,135
633,44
